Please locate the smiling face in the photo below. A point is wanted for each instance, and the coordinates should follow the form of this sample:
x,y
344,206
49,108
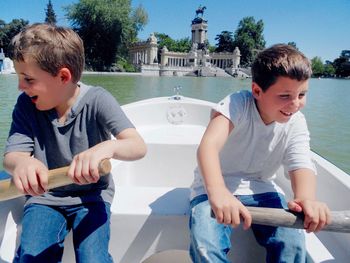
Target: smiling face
x,y
45,90
281,100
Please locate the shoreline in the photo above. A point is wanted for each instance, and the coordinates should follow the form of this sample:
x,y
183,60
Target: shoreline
x,y
112,73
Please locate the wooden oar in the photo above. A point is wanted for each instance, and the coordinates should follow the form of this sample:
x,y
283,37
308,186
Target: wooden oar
x,y
285,218
57,177
280,217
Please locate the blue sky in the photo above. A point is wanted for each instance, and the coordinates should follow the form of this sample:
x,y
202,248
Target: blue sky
x,y
318,27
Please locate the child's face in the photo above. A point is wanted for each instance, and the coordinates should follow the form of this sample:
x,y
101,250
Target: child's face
x,y
280,101
46,91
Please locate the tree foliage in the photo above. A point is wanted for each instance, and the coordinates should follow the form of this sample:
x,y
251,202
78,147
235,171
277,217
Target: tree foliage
x,y
8,31
328,70
140,18
224,42
320,69
345,54
50,14
249,39
342,66
181,45
106,27
317,66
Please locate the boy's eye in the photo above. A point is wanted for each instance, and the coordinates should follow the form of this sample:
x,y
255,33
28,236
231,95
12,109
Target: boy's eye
x,y
28,80
284,96
301,95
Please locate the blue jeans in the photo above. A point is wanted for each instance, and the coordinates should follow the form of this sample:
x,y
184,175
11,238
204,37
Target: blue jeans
x,y
210,241
44,229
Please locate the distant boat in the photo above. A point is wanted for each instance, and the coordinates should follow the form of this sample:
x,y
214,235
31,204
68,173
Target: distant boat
x,y
149,220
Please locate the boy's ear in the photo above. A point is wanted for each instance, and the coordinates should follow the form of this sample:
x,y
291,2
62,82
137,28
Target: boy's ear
x,y
256,90
65,75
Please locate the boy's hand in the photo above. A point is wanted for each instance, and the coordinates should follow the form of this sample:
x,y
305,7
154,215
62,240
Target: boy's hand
x,y
31,176
84,167
317,214
228,209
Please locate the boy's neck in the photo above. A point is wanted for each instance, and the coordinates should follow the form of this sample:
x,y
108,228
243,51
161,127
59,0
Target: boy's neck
x,y
64,109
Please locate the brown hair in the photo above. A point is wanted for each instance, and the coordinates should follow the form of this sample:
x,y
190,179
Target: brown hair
x,y
280,60
52,47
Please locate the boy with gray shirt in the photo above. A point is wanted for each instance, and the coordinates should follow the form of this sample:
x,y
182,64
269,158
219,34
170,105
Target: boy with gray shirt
x,y
59,121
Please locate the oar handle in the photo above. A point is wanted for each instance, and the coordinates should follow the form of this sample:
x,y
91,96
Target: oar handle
x,y
57,177
340,220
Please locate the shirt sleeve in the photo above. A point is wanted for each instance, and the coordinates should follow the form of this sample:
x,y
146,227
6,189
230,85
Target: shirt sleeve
x,y
110,114
20,137
298,153
233,106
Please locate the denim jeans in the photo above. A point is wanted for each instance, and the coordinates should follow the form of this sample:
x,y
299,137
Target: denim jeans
x,y
44,229
210,241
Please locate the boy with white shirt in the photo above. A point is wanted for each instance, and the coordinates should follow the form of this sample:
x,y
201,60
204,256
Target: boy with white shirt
x,y
249,136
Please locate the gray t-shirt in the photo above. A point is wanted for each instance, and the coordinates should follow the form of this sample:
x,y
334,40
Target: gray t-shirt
x,y
254,151
94,117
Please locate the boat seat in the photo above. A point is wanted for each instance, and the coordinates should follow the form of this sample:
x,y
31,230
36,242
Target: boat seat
x,y
151,200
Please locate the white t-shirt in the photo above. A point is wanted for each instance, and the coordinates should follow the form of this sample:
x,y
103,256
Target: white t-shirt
x,y
254,151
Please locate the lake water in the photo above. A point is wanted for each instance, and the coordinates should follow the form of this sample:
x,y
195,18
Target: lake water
x,y
327,110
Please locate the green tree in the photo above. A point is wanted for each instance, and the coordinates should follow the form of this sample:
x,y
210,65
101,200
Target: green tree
x,y
2,32
224,42
329,70
342,67
317,66
140,18
181,45
50,14
249,39
345,54
165,40
106,27
8,31
342,64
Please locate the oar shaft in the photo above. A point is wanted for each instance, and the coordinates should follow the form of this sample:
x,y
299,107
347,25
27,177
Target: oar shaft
x,y
340,220
280,217
57,177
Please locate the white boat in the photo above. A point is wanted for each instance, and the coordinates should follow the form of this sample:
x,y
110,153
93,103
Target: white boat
x,y
150,210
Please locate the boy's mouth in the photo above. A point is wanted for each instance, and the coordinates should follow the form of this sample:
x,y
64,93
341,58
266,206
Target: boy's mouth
x,y
288,114
34,99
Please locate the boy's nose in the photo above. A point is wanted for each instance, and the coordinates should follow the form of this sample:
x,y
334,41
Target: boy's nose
x,y
296,103
22,86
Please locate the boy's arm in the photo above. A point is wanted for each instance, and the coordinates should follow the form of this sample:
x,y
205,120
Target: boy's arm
x,y
226,207
317,214
29,174
128,146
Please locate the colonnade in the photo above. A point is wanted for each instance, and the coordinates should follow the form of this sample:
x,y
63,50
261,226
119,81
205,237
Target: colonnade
x,y
221,63
140,57
177,62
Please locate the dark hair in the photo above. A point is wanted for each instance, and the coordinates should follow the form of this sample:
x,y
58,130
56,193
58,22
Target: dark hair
x,y
52,48
280,60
